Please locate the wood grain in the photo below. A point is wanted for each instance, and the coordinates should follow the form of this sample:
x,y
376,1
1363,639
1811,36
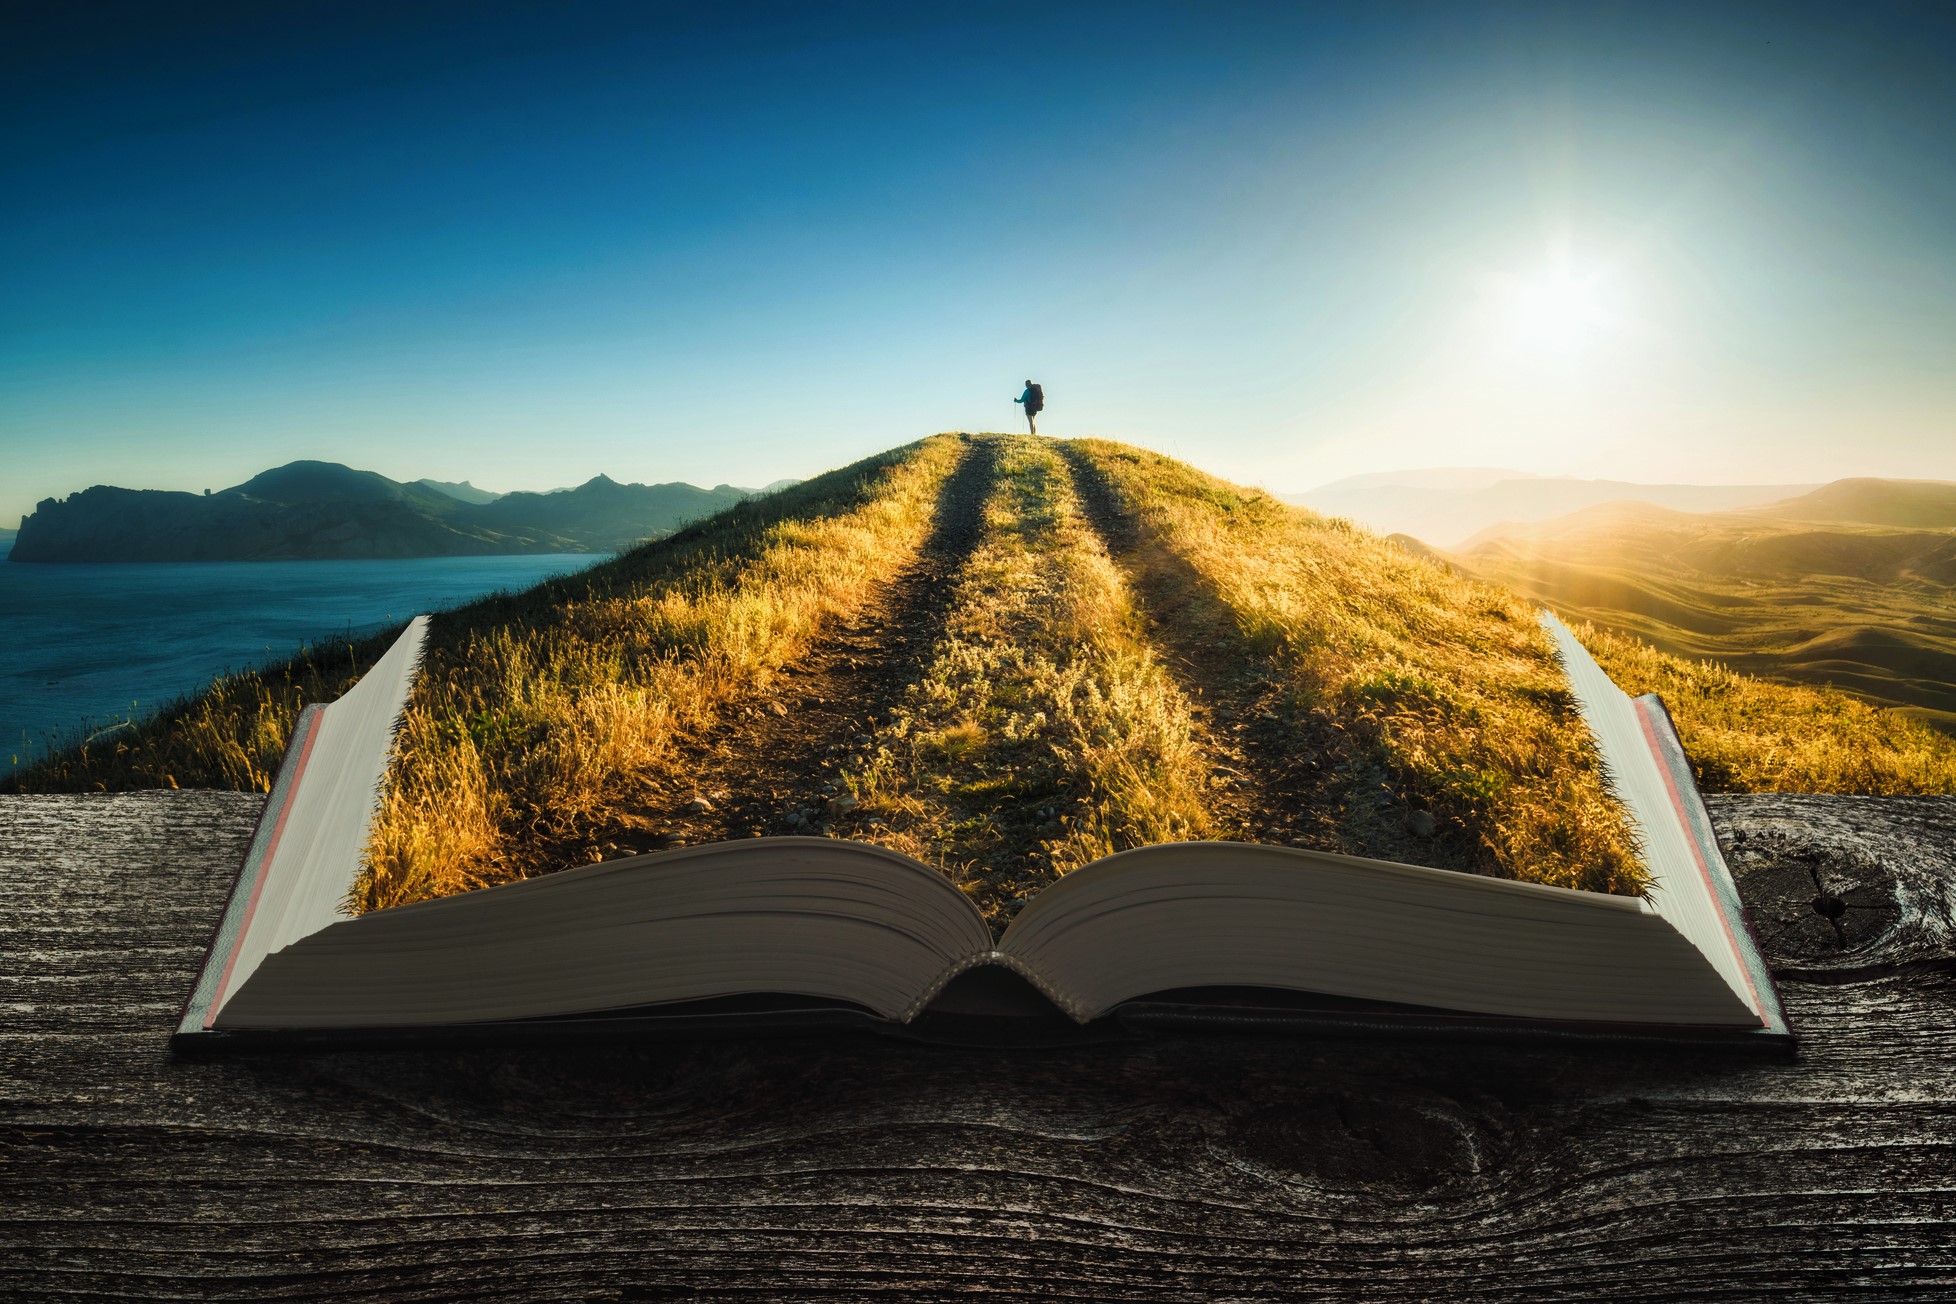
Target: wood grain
x,y
1166,1170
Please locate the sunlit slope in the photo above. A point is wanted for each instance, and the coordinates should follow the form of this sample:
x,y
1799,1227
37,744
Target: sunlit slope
x,y
1914,504
234,733
1852,586
1043,730
1441,693
1037,725
1007,657
1746,734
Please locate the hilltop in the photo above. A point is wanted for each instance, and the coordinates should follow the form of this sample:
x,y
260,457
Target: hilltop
x,y
1912,504
322,510
1852,585
1008,657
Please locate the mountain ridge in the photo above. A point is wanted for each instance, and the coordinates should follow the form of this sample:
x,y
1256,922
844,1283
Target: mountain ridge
x,y
313,510
461,490
1874,500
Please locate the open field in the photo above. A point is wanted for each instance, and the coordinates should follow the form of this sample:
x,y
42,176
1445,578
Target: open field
x,y
1851,587
1008,657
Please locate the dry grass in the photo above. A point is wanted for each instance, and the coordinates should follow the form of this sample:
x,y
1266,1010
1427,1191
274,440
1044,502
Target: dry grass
x,y
1749,735
533,711
523,730
1043,733
1451,688
1834,604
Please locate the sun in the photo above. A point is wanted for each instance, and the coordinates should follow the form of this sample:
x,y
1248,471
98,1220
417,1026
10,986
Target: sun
x,y
1559,308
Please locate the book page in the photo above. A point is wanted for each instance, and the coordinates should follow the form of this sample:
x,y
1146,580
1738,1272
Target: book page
x,y
317,839
1682,873
812,917
1207,914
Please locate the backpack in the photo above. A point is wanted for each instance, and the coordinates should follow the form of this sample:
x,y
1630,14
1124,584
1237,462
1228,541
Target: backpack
x,y
1036,403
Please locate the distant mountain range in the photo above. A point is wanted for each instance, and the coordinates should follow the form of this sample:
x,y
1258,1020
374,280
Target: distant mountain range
x,y
1853,584
322,510
460,489
1442,506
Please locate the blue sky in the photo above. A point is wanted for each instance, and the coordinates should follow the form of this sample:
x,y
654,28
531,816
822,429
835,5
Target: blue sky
x,y
528,244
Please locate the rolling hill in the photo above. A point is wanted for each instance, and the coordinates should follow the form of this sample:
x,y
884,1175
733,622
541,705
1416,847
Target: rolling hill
x,y
1910,504
1008,657
1444,506
322,510
1852,585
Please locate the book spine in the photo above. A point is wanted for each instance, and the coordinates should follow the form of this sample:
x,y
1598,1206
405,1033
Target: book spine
x,y
205,998
1661,732
1073,1009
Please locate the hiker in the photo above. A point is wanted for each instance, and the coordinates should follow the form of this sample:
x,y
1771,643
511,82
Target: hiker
x,y
1034,398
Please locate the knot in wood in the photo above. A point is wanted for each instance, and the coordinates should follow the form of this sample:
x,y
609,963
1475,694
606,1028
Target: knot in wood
x,y
1406,1143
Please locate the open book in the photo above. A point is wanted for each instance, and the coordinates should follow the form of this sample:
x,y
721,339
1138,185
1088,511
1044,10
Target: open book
x,y
803,933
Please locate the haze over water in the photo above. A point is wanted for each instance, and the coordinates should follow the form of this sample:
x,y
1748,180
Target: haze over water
x,y
90,644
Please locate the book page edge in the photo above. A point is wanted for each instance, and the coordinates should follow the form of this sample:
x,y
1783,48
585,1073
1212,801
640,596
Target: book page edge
x,y
1668,749
205,994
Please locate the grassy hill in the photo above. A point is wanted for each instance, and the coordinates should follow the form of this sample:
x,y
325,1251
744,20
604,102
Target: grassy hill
x,y
1912,504
1851,586
1008,657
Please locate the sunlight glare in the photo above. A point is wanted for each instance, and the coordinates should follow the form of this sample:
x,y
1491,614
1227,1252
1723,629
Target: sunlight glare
x,y
1557,309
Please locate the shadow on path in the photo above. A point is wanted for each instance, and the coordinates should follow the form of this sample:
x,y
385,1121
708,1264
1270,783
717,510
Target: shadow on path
x,y
770,766
1292,775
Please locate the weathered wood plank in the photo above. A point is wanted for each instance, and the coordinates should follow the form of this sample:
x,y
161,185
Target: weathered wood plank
x,y
1175,1169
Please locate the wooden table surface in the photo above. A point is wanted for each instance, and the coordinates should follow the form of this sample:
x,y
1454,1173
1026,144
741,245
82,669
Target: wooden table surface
x,y
1164,1170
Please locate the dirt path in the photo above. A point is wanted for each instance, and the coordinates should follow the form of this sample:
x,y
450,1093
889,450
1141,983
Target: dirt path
x,y
1044,735
1287,777
771,765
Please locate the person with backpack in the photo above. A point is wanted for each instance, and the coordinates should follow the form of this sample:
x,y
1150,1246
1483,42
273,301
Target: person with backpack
x,y
1035,399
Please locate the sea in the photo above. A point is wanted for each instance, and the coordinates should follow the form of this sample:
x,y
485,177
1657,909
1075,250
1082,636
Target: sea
x,y
85,646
